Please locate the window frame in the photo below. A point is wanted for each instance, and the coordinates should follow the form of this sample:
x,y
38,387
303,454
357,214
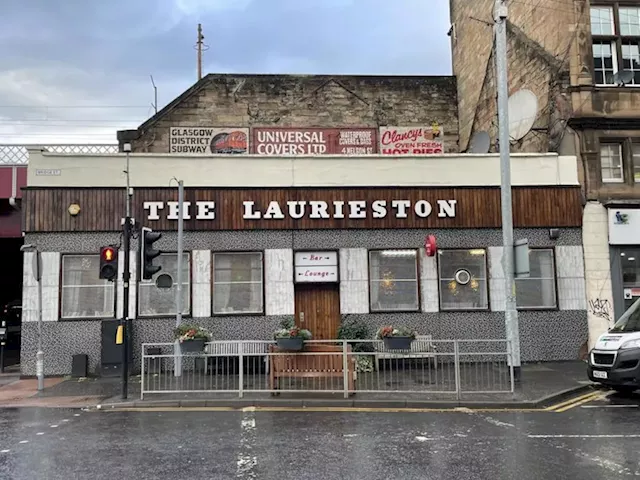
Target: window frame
x,y
620,145
213,283
486,278
141,282
114,285
616,39
369,279
555,285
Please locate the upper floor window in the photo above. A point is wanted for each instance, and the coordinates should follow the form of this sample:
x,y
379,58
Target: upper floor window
x,y
84,295
611,163
635,153
616,35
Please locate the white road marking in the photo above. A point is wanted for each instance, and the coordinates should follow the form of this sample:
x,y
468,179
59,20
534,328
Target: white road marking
x,y
423,439
246,460
65,420
5,451
349,435
76,414
631,435
40,433
24,441
54,426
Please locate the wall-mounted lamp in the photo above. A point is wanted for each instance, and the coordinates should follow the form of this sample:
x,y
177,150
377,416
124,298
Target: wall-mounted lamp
x,y
554,233
74,209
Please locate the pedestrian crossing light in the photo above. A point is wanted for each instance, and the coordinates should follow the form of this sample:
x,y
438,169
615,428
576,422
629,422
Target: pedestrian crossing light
x,y
108,263
148,253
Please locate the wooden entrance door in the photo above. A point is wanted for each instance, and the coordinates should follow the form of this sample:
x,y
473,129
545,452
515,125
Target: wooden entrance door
x,y
318,309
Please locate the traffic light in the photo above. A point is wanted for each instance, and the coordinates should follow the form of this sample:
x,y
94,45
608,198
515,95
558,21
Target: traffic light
x,y
148,253
108,263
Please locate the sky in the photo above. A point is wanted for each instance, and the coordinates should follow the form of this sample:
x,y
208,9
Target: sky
x,y
76,71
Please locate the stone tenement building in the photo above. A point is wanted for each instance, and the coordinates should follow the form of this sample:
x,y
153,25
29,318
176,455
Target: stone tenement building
x,y
581,59
292,107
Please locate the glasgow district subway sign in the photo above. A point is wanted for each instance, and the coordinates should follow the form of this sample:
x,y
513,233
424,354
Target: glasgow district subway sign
x,y
298,209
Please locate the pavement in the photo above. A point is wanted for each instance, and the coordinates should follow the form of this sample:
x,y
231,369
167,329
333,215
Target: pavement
x,y
599,442
542,384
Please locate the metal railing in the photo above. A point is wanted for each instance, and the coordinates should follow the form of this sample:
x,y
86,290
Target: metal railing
x,y
18,154
242,368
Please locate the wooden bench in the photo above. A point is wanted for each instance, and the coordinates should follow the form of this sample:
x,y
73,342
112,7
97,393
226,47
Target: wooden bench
x,y
421,347
307,365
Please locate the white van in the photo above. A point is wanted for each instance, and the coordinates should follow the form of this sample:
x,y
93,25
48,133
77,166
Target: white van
x,y
615,359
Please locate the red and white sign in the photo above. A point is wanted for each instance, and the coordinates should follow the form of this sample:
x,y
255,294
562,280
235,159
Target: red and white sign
x,y
315,267
411,140
314,141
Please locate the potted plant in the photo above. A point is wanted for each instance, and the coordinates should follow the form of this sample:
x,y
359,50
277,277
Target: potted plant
x,y
191,338
291,337
396,338
354,329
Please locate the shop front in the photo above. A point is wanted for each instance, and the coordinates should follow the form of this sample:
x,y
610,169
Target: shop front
x,y
624,244
425,255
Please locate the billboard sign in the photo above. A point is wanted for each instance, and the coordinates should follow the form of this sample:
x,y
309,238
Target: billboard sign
x,y
412,140
209,140
314,141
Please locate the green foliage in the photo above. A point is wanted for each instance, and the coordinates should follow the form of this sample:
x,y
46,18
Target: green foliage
x,y
354,329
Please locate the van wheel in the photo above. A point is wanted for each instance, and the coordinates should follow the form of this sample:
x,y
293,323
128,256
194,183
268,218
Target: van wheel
x,y
625,390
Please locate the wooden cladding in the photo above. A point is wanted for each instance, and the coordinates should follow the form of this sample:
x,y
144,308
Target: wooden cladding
x,y
46,210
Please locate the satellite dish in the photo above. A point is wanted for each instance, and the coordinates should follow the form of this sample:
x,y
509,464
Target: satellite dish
x,y
523,110
623,77
480,143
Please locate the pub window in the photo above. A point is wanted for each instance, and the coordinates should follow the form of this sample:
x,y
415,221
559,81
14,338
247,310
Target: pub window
x,y
154,301
463,279
84,295
615,34
393,280
238,283
611,163
635,153
539,289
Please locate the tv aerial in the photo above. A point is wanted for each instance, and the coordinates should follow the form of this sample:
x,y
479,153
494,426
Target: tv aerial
x,y
523,110
480,142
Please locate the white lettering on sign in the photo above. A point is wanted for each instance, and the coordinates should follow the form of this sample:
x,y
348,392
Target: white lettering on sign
x,y
316,209
205,210
316,267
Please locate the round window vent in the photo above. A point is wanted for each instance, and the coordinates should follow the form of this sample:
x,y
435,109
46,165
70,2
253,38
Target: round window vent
x,y
463,276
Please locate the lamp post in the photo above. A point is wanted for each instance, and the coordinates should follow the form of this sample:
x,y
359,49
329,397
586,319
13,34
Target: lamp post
x,y
37,273
126,278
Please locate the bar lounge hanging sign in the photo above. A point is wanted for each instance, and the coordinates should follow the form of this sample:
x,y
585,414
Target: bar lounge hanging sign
x,y
300,209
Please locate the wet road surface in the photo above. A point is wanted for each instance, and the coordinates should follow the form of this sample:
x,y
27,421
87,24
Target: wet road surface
x,y
591,441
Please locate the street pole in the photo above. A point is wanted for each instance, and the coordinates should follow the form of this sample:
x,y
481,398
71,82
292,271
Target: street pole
x,y
180,249
178,358
40,353
126,276
511,313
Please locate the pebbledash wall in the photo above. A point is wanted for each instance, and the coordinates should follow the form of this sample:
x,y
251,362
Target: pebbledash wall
x,y
546,195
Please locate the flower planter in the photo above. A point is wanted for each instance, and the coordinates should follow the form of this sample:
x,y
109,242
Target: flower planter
x,y
192,346
294,343
398,343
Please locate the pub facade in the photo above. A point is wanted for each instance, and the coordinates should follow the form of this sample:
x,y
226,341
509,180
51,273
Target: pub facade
x,y
317,240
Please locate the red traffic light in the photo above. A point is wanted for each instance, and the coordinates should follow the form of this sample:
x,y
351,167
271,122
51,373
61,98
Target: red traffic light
x,y
108,254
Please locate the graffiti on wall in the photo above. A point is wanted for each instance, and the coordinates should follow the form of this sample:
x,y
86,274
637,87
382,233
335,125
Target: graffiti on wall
x,y
601,308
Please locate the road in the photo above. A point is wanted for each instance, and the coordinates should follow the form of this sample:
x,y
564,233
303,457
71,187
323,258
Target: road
x,y
593,440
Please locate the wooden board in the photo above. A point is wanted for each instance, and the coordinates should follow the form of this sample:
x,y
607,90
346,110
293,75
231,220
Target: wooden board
x,y
46,210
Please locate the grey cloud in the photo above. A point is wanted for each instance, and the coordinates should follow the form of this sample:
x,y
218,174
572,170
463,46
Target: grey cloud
x,y
101,53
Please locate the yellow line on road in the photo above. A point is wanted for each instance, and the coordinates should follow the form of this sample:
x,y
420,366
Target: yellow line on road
x,y
563,407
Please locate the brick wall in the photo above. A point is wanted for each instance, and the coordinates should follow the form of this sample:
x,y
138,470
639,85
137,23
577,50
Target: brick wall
x,y
542,35
308,101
